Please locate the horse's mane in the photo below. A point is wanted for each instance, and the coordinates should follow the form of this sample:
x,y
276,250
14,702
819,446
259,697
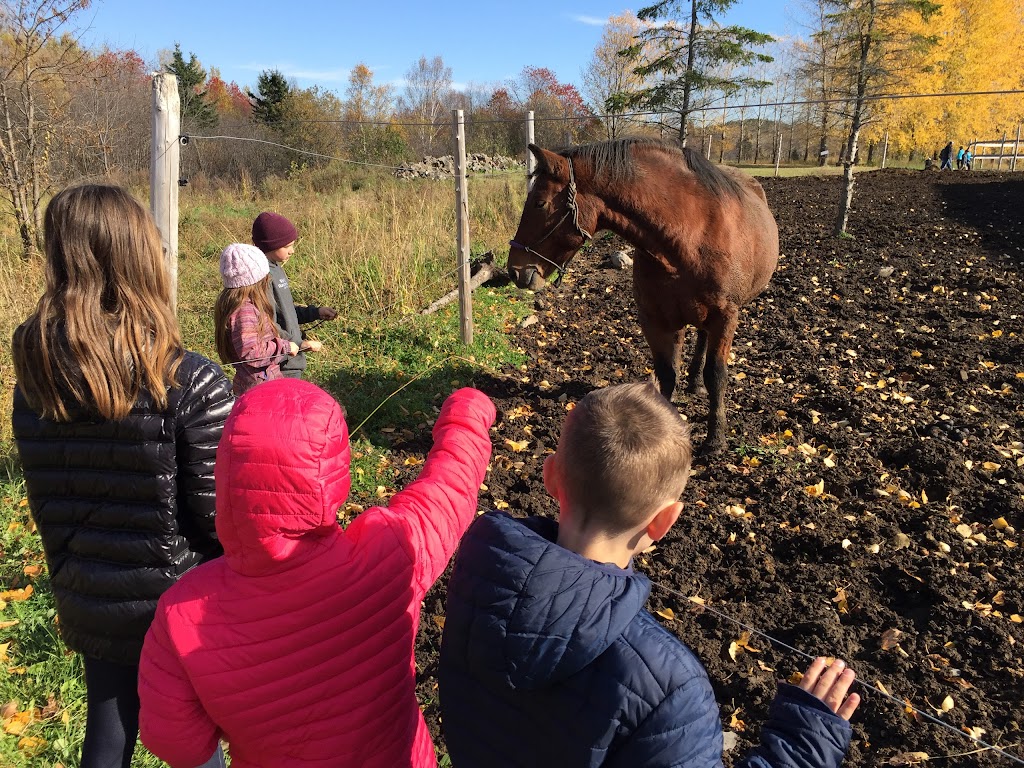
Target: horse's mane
x,y
614,161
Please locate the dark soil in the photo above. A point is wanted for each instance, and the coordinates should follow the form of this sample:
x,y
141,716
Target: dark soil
x,y
889,367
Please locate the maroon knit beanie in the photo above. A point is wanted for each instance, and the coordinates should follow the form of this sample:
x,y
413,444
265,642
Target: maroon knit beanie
x,y
271,231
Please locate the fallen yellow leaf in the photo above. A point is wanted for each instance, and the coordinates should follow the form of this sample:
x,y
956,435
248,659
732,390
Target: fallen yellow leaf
x,y
517,446
31,745
17,595
18,722
667,613
815,490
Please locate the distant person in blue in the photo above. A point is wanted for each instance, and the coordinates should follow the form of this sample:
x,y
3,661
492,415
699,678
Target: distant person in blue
x,y
549,657
960,159
946,157
968,160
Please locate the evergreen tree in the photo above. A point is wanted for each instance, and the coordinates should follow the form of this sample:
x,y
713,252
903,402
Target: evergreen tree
x,y
683,60
268,104
196,111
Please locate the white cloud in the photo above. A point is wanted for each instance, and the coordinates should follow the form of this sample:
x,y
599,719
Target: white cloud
x,y
291,71
593,21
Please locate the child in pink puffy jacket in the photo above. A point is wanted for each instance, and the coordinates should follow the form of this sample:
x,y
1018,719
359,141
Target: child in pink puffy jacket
x,y
296,647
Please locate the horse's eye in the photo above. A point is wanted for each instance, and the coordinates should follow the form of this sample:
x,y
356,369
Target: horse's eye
x,y
541,203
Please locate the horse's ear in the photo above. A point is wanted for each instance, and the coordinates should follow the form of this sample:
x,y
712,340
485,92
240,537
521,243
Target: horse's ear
x,y
550,163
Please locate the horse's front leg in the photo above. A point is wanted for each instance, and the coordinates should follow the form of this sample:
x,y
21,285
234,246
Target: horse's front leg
x,y
720,327
666,347
696,369
665,341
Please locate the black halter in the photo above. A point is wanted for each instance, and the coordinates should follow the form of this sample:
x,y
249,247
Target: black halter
x,y
572,210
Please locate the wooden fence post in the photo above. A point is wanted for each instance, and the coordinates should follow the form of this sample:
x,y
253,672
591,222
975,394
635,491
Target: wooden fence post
x,y
778,154
164,166
1002,148
531,161
1016,149
462,228
885,148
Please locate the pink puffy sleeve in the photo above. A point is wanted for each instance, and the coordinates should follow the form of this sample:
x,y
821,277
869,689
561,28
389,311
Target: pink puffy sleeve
x,y
430,514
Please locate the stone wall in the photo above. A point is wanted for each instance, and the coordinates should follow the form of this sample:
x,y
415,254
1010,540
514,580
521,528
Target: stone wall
x,y
444,167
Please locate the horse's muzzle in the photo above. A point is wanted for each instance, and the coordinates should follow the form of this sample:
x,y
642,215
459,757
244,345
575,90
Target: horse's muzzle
x,y
527,277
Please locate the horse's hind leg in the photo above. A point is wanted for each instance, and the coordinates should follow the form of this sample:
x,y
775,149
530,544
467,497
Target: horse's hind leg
x,y
666,347
696,369
720,328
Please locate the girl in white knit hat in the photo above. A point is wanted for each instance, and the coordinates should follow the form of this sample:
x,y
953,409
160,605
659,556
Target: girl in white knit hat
x,y
247,337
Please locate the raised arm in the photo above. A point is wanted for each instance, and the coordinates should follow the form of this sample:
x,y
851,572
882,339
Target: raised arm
x,y
172,722
204,409
430,515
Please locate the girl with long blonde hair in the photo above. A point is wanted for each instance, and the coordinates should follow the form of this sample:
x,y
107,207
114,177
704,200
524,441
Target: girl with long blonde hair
x,y
117,427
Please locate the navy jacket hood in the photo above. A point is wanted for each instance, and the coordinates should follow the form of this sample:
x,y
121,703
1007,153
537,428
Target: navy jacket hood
x,y
553,611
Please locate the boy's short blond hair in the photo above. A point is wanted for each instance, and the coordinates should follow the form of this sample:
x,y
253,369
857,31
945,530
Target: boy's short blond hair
x,y
623,452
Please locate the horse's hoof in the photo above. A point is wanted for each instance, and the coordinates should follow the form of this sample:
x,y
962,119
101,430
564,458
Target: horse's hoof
x,y
711,447
696,389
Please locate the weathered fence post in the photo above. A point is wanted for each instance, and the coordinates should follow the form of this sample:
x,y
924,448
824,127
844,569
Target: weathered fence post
x,y
1002,147
1016,149
462,228
885,148
531,161
778,154
164,165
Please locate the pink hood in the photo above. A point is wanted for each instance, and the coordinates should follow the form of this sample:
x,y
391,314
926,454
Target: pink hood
x,y
282,474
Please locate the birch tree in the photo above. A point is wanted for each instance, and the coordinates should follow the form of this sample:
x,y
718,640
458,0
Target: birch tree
x,y
609,73
427,93
874,47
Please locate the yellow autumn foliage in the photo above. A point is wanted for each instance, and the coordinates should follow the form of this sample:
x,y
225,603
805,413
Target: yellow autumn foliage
x,y
980,47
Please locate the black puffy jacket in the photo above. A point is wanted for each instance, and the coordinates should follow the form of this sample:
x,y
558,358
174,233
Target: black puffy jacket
x,y
124,507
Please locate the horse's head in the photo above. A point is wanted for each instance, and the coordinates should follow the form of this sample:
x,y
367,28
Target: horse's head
x,y
551,229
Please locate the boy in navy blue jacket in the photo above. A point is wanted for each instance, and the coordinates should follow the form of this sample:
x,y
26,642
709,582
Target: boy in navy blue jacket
x,y
548,656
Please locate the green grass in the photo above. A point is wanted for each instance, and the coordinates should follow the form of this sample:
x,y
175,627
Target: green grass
x,y
376,249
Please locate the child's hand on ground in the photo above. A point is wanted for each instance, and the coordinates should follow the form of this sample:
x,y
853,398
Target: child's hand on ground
x,y
831,684
328,313
310,345
293,348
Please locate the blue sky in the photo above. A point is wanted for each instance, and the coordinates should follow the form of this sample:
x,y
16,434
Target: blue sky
x,y
317,42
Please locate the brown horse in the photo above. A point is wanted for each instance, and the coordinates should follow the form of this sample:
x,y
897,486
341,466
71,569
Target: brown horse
x,y
706,243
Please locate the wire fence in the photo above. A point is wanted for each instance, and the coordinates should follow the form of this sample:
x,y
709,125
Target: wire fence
x,y
386,309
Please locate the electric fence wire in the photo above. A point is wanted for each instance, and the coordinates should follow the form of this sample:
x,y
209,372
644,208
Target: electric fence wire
x,y
867,686
652,113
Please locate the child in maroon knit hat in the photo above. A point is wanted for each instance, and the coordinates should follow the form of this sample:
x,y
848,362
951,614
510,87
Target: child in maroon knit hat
x,y
275,235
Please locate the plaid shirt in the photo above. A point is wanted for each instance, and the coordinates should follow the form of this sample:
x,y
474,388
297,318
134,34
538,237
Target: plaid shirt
x,y
265,349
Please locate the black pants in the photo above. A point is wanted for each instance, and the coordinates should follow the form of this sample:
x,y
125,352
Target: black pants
x,y
112,716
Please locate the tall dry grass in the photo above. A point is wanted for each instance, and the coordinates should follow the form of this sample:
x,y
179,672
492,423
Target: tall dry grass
x,y
374,247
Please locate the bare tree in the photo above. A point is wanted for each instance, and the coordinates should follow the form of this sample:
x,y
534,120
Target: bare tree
x,y
608,73
876,45
818,67
428,91
36,56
